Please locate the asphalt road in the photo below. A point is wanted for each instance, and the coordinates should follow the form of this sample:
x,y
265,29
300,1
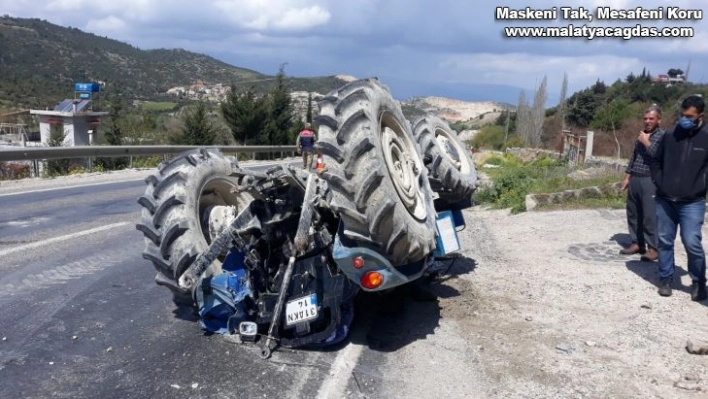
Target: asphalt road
x,y
81,316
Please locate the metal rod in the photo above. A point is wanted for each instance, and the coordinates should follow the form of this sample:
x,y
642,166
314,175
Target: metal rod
x,y
284,286
298,247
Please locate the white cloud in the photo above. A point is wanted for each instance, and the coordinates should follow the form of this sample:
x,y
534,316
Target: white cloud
x,y
426,41
274,14
106,25
303,18
522,69
526,71
698,44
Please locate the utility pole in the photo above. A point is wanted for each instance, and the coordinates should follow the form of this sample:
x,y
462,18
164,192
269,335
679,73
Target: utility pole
x,y
506,130
685,75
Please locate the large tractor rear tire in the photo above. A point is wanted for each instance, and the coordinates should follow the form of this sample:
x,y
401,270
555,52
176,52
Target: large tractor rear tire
x,y
175,213
453,174
379,183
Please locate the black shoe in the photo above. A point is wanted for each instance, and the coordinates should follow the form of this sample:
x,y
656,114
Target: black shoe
x,y
698,291
665,287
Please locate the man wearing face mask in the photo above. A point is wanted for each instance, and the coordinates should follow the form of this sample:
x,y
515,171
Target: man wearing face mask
x,y
679,172
641,210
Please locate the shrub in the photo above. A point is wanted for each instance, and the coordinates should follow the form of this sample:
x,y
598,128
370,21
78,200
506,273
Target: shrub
x,y
490,136
515,179
13,171
495,160
147,162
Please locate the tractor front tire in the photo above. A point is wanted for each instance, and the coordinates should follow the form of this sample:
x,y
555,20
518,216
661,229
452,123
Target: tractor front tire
x,y
175,213
379,183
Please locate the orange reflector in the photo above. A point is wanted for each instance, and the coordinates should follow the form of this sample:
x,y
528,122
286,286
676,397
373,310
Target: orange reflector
x,y
371,280
358,262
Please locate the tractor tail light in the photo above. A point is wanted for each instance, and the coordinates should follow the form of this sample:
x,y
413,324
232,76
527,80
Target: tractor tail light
x,y
358,262
372,280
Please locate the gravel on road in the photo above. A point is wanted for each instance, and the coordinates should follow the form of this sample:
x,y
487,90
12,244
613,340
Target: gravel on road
x,y
544,306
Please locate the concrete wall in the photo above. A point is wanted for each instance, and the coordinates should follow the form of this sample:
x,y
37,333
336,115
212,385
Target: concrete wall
x,y
80,131
529,154
75,129
535,200
618,164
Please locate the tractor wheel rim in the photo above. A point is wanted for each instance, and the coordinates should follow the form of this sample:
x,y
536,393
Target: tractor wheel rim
x,y
452,151
404,166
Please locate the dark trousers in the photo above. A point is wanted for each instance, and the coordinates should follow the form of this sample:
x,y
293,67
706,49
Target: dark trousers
x,y
307,157
641,211
689,216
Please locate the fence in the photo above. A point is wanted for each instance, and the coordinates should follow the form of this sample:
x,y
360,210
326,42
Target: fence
x,y
34,154
577,147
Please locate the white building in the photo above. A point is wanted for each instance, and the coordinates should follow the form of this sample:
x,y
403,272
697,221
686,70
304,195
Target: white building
x,y
76,117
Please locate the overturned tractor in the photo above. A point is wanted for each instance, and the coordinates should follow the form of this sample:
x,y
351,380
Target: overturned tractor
x,y
279,255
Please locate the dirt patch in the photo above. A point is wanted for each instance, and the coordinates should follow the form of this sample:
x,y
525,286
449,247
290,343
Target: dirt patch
x,y
552,310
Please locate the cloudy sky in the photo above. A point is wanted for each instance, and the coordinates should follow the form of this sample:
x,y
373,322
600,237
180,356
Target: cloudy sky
x,y
418,47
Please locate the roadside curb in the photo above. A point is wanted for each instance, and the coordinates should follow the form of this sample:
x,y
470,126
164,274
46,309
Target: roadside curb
x,y
535,200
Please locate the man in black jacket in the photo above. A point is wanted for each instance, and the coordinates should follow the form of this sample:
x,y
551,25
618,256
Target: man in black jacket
x,y
679,172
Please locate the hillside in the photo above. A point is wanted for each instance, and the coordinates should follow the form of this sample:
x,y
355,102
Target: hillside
x,y
40,61
454,110
612,111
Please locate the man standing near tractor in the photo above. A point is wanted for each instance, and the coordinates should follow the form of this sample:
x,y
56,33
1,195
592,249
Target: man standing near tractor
x,y
641,212
306,145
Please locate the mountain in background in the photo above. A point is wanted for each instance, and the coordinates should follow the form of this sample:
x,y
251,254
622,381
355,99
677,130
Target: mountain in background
x,y
41,61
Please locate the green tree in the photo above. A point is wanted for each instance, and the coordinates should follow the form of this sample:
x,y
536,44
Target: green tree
x,y
57,167
280,127
112,133
245,114
599,87
610,116
674,72
581,108
197,128
502,120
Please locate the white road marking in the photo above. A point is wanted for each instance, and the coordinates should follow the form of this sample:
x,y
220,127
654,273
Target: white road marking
x,y
42,243
335,385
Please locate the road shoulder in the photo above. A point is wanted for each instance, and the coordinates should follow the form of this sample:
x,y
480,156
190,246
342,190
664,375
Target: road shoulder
x,y
549,307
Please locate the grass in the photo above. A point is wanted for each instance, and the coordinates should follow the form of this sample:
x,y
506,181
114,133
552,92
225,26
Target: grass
x,y
514,179
158,106
609,201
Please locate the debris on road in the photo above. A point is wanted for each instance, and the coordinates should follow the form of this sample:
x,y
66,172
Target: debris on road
x,y
697,347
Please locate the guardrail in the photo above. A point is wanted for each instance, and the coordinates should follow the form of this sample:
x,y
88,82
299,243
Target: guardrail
x,y
33,153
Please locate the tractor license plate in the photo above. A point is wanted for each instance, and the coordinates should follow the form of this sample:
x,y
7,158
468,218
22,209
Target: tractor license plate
x,y
301,309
